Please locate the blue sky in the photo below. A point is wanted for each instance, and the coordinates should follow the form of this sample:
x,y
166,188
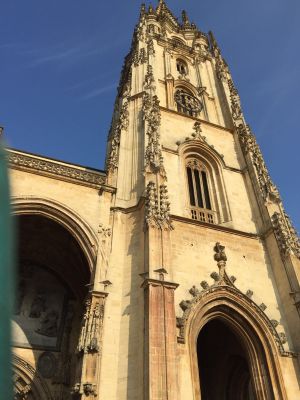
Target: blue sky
x,y
61,61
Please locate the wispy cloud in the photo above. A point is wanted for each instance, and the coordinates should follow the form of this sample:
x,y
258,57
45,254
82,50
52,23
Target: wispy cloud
x,y
98,92
68,53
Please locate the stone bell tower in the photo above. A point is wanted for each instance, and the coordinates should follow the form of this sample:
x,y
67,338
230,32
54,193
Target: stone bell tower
x,y
204,260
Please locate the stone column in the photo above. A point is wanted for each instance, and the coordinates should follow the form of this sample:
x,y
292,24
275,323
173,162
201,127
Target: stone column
x,y
160,340
90,347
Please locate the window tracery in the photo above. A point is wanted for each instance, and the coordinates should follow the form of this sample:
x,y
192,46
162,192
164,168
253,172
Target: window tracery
x,y
200,199
187,103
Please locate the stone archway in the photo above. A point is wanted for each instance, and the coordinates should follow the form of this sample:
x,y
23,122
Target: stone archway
x,y
224,370
53,278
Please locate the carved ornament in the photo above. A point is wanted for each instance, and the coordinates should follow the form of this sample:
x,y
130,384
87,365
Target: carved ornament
x,y
157,207
250,146
51,168
286,235
153,153
222,283
121,125
91,325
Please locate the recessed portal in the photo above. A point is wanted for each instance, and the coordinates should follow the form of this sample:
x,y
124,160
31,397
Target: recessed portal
x,y
223,364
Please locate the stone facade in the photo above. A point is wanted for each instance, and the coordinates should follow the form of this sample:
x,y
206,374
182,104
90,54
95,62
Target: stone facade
x,y
123,271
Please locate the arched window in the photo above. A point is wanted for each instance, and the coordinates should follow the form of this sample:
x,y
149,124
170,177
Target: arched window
x,y
182,67
200,198
187,103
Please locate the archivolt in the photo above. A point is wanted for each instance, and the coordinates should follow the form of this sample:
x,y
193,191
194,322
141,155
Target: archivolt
x,y
78,228
28,381
246,319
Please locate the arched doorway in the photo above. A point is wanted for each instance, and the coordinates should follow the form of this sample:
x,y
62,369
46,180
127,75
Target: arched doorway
x,y
53,274
238,343
223,364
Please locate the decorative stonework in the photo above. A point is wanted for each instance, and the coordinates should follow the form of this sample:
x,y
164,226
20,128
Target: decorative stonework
x,y
224,284
221,66
121,125
286,235
51,168
103,231
149,79
236,109
91,325
152,117
157,207
251,148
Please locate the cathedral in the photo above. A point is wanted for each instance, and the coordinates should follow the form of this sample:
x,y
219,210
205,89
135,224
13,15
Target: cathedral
x,y
174,273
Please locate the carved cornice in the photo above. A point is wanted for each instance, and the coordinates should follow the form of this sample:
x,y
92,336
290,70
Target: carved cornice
x,y
55,169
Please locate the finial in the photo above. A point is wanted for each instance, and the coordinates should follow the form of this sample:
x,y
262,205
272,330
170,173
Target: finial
x,y
185,19
1,131
221,258
143,9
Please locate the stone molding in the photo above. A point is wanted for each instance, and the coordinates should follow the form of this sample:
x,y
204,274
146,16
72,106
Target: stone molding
x,y
55,169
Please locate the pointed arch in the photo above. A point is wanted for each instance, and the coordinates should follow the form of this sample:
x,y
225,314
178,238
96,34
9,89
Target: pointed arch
x,y
249,323
198,149
27,381
58,212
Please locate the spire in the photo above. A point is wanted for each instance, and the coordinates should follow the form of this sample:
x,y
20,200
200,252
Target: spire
x,y
162,10
185,19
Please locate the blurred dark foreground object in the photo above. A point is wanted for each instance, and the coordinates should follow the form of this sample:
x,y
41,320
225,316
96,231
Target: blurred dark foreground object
x,y
6,280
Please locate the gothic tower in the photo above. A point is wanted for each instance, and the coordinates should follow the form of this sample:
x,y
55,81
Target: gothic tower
x,y
181,248
191,180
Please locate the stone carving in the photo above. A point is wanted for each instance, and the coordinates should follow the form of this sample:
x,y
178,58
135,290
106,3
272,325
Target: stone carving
x,y
221,259
236,109
215,276
194,291
92,322
149,78
204,284
46,365
249,293
283,338
197,135
185,304
233,279
221,65
153,153
218,290
89,389
122,124
38,306
220,255
286,235
106,232
22,394
274,323
150,47
263,306
157,207
46,167
49,324
250,146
